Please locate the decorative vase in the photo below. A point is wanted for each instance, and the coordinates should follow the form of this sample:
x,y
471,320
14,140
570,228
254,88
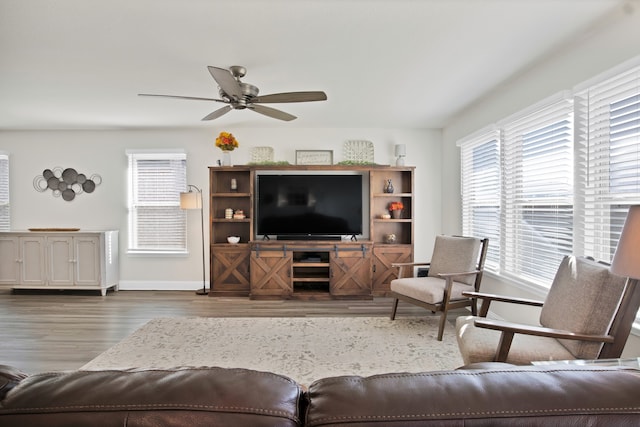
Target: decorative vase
x,y
226,158
396,214
388,186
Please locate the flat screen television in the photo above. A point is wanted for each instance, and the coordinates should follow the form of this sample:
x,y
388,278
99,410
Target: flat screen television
x,y
308,206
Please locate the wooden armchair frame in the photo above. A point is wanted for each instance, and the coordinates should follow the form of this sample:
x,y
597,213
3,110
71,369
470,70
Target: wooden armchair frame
x,y
405,269
614,341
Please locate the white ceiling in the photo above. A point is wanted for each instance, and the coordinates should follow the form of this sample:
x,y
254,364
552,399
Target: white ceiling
x,y
79,64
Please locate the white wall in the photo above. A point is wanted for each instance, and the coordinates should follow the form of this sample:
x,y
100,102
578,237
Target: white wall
x,y
103,153
607,44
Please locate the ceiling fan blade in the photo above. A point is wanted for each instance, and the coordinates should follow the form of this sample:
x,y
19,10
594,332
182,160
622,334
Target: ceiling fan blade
x,y
272,112
197,98
292,97
219,112
226,81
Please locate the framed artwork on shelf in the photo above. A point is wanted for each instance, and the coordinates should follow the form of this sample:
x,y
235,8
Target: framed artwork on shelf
x,y
314,157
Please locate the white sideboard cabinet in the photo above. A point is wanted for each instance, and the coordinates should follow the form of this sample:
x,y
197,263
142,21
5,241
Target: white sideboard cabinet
x,y
82,260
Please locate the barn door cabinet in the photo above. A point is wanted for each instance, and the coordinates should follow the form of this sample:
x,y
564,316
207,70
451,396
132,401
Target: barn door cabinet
x,y
310,270
307,269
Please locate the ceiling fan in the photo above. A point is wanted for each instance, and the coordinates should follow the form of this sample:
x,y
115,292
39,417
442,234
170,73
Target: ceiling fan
x,y
239,95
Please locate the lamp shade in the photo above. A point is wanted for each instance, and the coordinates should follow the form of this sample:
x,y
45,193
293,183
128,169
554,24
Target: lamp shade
x,y
626,260
401,150
190,200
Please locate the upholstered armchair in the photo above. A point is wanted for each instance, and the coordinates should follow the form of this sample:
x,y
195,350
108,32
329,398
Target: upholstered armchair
x,y
456,266
587,314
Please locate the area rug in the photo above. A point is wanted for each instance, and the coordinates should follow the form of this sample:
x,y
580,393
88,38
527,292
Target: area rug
x,y
304,349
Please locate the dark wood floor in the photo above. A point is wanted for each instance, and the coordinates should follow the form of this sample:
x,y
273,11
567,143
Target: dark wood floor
x,y
52,331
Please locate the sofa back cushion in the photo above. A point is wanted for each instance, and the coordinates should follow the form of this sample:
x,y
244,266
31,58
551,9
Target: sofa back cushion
x,y
145,397
511,396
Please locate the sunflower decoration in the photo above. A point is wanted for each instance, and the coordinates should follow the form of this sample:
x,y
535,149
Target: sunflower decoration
x,y
226,141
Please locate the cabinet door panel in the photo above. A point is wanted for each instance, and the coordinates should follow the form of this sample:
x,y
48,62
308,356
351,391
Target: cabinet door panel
x,y
9,261
32,271
350,273
60,260
271,273
230,270
383,272
87,260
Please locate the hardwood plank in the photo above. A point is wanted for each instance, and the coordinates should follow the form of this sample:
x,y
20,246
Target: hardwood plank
x,y
62,330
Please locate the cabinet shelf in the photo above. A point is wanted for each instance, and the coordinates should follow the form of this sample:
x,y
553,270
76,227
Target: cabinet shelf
x,y
312,279
310,264
391,195
230,220
230,195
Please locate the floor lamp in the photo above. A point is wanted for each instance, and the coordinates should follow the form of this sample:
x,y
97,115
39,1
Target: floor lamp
x,y
193,200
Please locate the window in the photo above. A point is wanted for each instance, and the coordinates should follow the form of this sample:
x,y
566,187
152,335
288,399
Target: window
x,y
538,191
608,140
5,223
480,188
565,185
156,222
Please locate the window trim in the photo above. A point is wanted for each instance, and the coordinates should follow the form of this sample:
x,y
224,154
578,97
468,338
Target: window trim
x,y
155,154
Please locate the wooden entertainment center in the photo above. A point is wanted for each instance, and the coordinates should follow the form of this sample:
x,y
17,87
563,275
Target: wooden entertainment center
x,y
306,269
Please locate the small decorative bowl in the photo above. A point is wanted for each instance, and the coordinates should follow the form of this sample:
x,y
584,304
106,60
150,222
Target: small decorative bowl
x,y
385,216
233,239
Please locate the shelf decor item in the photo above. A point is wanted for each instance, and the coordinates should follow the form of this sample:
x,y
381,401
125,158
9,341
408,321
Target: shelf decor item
x,y
396,209
227,143
314,157
261,155
401,152
358,152
388,186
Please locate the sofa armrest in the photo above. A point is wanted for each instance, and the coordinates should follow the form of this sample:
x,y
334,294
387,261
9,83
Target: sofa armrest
x,y
9,378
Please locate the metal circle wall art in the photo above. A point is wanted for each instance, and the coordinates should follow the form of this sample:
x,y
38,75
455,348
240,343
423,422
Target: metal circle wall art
x,y
66,183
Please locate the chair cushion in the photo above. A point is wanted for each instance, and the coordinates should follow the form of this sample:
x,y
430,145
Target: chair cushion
x,y
583,298
453,254
428,289
480,345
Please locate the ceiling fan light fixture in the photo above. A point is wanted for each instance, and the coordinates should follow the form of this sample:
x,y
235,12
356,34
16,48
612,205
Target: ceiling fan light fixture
x,y
240,96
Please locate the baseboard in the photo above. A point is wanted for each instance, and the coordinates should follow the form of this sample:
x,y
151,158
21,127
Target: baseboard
x,y
158,285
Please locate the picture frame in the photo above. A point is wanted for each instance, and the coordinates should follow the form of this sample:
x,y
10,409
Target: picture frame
x,y
314,157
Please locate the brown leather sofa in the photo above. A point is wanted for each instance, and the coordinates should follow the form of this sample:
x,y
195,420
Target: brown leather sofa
x,y
495,395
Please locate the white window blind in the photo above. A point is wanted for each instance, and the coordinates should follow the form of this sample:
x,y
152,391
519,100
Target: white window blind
x,y
608,142
480,190
5,220
537,191
156,222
